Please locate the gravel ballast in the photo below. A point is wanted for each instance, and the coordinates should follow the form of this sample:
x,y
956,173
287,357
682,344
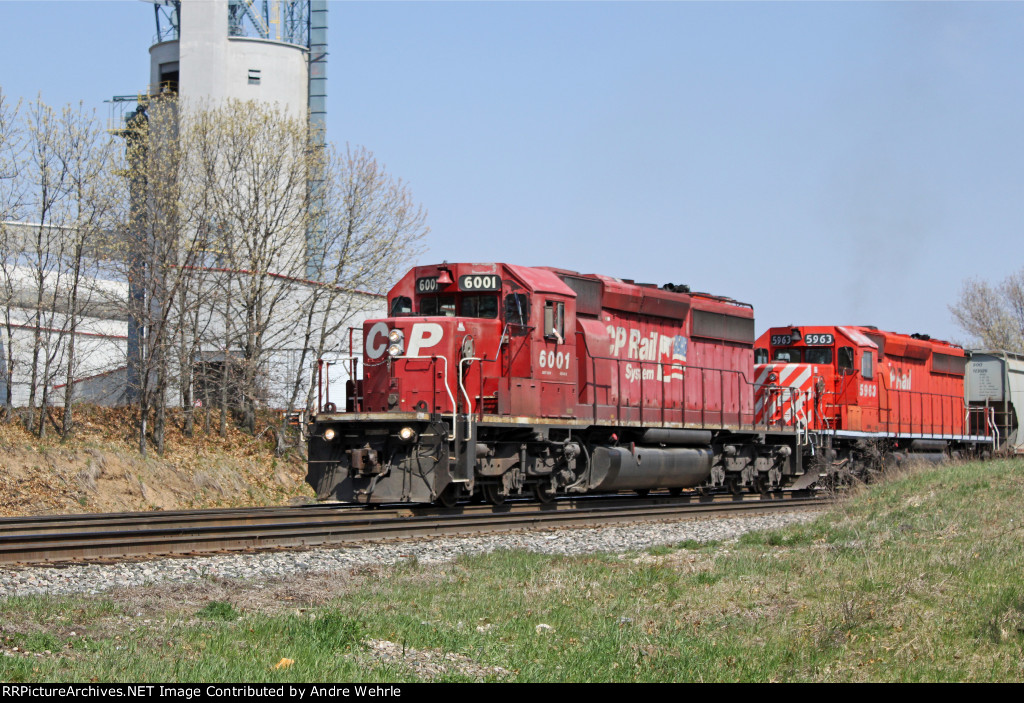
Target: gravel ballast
x,y
95,578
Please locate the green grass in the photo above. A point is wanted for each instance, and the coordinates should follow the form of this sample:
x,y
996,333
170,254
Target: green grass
x,y
915,579
218,610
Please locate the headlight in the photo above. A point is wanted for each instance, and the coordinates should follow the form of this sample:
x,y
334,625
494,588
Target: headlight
x,y
329,434
396,342
772,377
407,434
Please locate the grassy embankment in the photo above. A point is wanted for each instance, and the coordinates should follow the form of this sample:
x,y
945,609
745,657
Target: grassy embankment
x,y
917,579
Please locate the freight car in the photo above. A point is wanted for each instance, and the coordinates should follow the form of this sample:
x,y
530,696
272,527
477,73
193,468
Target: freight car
x,y
995,386
859,391
494,380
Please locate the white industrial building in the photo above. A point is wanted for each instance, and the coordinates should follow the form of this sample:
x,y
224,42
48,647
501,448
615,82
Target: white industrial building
x,y
101,336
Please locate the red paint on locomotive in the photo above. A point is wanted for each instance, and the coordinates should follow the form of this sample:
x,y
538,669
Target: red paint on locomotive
x,y
860,379
495,380
510,340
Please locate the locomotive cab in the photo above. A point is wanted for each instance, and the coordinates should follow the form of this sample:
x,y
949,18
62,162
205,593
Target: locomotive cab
x,y
817,377
462,342
472,339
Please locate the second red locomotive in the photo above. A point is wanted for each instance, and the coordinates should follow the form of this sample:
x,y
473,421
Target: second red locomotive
x,y
854,383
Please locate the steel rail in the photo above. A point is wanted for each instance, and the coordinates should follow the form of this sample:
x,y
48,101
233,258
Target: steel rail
x,y
318,527
86,522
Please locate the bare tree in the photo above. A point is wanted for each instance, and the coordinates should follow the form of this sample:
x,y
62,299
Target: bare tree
x,y
993,315
162,248
90,211
47,183
371,228
252,163
11,204
57,171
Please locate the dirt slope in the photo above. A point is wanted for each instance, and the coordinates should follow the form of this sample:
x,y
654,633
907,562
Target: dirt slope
x,y
100,470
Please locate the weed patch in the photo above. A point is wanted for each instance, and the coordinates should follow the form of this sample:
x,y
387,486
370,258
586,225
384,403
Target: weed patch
x,y
218,610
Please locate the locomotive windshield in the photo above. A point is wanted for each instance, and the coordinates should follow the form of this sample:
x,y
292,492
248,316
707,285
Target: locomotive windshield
x,y
437,305
485,306
813,355
480,306
818,355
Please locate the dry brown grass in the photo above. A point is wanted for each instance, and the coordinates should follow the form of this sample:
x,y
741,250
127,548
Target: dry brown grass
x,y
99,468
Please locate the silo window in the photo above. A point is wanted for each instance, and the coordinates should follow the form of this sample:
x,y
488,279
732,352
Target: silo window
x,y
254,76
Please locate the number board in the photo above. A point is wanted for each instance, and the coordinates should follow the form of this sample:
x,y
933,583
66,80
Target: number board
x,y
476,281
781,340
818,340
426,285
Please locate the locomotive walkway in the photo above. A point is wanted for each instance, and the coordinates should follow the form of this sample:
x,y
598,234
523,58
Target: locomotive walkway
x,y
108,537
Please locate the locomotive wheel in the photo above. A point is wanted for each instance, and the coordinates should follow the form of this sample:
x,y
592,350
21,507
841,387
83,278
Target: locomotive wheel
x,y
759,485
732,484
492,494
449,496
542,494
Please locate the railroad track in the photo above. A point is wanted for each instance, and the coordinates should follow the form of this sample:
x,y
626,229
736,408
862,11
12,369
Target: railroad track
x,y
76,538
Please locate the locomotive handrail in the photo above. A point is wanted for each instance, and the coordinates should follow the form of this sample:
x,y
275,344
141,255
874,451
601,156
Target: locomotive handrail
x,y
915,398
462,387
994,428
323,394
789,394
920,395
641,406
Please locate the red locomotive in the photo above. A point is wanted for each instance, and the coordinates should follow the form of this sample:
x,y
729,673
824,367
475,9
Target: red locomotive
x,y
504,380
854,383
494,380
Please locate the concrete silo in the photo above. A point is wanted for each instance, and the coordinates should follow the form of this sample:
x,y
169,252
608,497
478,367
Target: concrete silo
x,y
209,51
243,49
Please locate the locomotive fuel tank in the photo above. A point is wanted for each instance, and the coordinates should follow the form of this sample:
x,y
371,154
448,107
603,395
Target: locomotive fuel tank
x,y
644,468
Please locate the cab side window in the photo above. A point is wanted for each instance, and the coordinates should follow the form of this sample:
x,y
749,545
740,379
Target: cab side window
x,y
760,356
867,364
554,320
401,305
845,360
517,309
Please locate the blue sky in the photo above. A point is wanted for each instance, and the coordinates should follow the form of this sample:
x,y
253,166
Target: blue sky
x,y
846,163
